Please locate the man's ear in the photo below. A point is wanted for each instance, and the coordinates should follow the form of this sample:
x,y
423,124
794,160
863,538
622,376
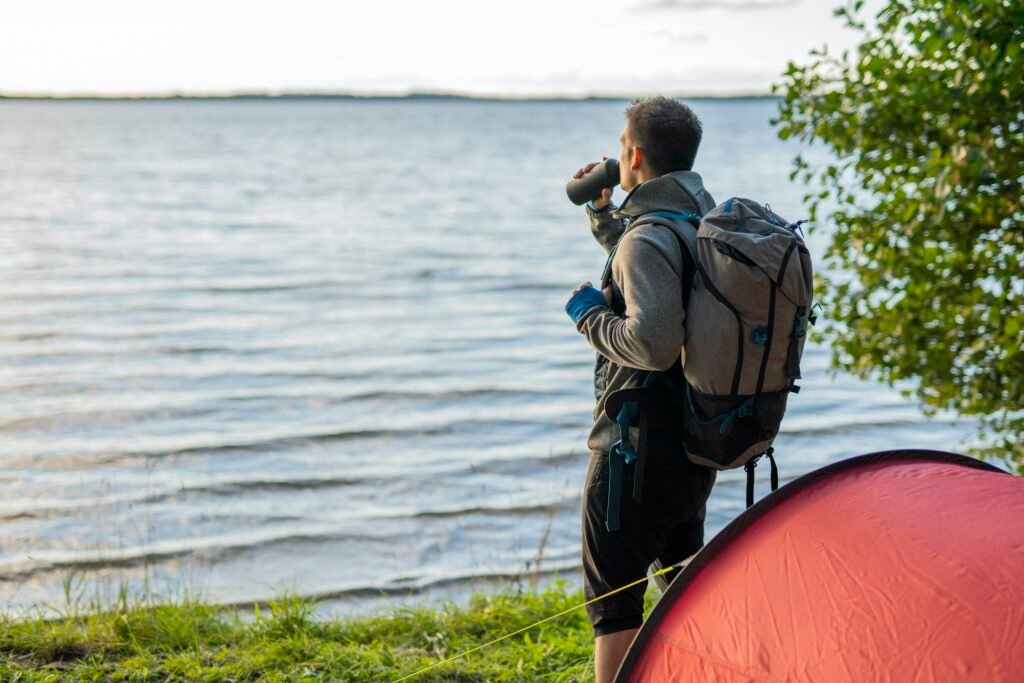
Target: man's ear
x,y
636,159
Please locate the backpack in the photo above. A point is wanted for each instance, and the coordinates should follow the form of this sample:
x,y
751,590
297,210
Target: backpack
x,y
747,309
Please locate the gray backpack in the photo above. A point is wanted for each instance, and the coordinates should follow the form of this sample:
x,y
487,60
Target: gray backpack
x,y
747,310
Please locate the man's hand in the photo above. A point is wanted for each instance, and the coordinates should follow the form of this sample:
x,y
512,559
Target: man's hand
x,y
585,283
607,291
606,194
585,297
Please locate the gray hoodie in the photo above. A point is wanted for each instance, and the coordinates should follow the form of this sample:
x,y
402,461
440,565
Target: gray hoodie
x,y
643,329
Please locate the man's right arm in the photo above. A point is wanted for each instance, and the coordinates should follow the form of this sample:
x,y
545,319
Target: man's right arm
x,y
606,229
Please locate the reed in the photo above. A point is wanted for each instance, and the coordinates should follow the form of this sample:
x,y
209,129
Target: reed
x,y
187,639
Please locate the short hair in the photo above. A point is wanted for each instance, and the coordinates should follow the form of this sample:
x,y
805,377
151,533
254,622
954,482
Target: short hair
x,y
666,130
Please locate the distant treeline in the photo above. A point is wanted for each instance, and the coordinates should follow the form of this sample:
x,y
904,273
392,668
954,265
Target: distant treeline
x,y
424,96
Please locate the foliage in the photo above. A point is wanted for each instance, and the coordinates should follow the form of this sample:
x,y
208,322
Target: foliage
x,y
924,190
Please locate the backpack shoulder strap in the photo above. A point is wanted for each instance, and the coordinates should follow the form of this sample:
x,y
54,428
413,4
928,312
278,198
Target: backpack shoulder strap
x,y
687,242
689,222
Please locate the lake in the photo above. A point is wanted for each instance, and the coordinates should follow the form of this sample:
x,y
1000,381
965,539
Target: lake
x,y
320,346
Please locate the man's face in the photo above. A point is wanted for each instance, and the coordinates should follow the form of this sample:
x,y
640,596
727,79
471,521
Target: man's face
x,y
627,176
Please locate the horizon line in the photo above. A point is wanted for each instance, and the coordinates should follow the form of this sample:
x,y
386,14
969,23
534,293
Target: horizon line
x,y
363,95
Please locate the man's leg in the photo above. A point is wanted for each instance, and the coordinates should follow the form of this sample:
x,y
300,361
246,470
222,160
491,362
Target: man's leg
x,y
609,651
612,560
687,537
675,492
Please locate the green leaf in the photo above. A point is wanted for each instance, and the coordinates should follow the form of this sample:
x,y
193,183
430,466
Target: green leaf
x,y
924,200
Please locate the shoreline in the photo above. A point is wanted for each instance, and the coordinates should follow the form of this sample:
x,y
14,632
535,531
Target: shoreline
x,y
186,639
342,603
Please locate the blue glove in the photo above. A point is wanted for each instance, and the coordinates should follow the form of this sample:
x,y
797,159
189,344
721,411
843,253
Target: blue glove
x,y
582,301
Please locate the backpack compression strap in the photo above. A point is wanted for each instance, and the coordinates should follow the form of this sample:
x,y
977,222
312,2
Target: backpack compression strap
x,y
749,467
625,405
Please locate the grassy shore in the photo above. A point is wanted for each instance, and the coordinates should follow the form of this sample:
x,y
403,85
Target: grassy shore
x,y
189,640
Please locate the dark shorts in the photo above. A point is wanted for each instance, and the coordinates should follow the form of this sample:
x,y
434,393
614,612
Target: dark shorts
x,y
666,528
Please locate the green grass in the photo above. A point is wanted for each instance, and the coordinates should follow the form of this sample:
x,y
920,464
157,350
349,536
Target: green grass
x,y
189,640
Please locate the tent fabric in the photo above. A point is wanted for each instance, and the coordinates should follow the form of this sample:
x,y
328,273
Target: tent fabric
x,y
894,566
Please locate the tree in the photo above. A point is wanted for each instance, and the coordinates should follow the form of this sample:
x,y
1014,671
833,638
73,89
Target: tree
x,y
924,190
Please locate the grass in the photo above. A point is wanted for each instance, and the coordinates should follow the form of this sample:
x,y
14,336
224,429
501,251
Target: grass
x,y
189,640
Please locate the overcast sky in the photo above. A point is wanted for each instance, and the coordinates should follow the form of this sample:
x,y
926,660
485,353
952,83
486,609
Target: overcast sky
x,y
525,47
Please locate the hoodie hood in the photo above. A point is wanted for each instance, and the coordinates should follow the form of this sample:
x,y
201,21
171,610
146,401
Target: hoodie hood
x,y
678,192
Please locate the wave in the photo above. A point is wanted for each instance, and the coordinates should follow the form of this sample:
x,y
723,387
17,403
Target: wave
x,y
855,426
18,509
550,568
497,511
274,444
69,287
14,509
208,549
268,445
528,463
57,420
214,549
444,394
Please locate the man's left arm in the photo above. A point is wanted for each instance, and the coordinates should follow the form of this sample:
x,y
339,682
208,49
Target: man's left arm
x,y
650,334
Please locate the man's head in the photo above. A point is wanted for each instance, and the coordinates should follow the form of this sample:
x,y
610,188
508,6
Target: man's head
x,y
661,135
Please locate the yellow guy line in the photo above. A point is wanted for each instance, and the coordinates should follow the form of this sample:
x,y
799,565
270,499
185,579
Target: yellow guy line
x,y
661,571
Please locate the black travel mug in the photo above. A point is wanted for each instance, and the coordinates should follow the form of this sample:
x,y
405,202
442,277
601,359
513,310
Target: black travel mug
x,y
588,188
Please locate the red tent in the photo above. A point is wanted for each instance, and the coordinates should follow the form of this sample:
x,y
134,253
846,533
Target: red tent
x,y
895,566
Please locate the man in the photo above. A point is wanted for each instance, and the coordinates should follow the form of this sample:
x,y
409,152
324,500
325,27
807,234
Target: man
x,y
636,326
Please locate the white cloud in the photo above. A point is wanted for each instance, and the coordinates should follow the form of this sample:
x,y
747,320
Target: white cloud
x,y
717,4
528,47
